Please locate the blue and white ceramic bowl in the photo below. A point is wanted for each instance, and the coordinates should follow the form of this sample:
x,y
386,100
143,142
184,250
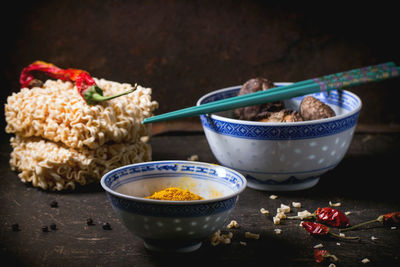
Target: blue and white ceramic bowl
x,y
173,225
282,156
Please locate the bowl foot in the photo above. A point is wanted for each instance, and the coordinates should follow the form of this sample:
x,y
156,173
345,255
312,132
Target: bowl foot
x,y
308,183
173,247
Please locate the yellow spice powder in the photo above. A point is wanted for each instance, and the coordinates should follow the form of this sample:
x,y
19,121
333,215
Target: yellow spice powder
x,y
174,193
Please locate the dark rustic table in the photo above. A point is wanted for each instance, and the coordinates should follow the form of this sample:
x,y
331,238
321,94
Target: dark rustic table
x,y
365,183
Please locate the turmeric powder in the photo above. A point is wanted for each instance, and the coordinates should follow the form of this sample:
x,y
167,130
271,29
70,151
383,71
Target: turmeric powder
x,y
174,193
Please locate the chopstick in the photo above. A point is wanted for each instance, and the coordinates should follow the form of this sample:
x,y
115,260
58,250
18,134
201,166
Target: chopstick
x,y
338,80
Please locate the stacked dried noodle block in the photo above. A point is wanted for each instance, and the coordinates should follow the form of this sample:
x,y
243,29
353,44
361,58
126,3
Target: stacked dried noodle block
x,y
60,140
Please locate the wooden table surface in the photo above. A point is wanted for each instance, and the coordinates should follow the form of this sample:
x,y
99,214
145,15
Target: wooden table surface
x,y
364,183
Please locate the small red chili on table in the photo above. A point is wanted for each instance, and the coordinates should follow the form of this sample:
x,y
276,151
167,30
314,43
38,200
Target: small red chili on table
x,y
389,219
323,230
329,216
321,254
85,84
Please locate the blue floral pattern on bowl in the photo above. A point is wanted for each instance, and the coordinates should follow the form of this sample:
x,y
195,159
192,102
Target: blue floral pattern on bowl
x,y
282,156
166,210
166,225
281,133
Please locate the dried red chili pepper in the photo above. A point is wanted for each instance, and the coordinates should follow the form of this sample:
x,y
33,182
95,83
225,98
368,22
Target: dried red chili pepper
x,y
389,219
85,84
321,254
332,217
327,215
323,230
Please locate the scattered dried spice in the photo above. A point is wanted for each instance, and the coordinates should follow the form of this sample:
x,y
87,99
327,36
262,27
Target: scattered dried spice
x,y
388,219
276,220
278,231
264,211
337,204
323,230
319,246
296,204
193,158
327,215
233,224
283,209
320,255
218,238
251,235
365,260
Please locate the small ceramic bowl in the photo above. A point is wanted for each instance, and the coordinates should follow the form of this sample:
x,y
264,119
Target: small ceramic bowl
x,y
167,225
282,156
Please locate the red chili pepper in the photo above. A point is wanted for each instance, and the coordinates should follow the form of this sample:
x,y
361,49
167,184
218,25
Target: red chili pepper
x,y
392,218
321,254
332,217
322,230
315,228
329,216
85,84
389,219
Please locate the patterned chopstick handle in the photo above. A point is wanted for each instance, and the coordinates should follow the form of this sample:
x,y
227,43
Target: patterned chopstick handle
x,y
357,76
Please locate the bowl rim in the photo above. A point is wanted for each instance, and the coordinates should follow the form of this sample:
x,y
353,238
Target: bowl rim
x,y
277,124
176,202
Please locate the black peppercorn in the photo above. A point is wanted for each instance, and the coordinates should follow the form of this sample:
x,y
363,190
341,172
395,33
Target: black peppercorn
x,y
54,204
45,228
89,221
15,227
53,226
106,226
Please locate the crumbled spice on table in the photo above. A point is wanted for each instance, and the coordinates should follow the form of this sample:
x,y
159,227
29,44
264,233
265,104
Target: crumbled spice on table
x,y
233,224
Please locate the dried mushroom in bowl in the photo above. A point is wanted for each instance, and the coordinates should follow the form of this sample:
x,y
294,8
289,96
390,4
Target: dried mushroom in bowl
x,y
310,107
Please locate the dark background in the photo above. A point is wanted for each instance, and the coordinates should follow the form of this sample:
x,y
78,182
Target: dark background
x,y
184,49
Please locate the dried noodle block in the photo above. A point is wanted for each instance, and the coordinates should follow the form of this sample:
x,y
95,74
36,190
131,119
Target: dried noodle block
x,y
54,166
58,113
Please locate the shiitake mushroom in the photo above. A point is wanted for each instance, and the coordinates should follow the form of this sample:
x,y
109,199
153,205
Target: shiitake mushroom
x,y
310,107
252,113
313,109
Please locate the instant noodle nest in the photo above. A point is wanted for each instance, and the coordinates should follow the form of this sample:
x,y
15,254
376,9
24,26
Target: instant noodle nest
x,y
60,140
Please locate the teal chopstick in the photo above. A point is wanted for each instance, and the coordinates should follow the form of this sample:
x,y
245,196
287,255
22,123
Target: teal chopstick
x,y
351,74
339,75
339,80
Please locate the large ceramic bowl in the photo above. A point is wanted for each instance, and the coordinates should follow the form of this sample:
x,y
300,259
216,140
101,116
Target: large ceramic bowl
x,y
167,225
282,156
